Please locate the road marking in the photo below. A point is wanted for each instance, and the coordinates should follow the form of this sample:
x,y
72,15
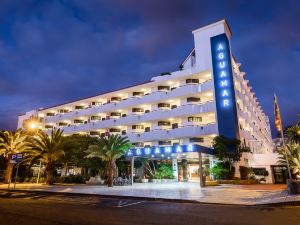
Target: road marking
x,y
129,204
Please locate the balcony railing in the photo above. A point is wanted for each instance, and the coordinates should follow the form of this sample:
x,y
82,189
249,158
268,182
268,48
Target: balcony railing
x,y
134,101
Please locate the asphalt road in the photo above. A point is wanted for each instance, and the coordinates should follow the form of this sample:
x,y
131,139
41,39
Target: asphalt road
x,y
45,209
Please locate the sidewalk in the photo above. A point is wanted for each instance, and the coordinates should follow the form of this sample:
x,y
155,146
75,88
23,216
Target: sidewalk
x,y
224,194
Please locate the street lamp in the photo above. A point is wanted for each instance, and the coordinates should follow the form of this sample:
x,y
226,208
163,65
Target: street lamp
x,y
32,126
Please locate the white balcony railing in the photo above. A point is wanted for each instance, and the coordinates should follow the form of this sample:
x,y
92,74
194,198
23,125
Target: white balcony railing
x,y
150,98
185,110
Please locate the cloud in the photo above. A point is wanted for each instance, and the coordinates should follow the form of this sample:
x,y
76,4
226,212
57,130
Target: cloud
x,y
57,51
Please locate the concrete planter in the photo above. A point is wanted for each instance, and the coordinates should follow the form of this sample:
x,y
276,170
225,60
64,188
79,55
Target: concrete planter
x,y
162,180
144,180
293,187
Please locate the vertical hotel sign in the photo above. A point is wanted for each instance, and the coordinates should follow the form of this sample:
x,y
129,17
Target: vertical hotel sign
x,y
224,86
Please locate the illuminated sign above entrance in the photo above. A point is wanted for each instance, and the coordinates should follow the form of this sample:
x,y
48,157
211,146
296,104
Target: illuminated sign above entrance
x,y
224,87
167,150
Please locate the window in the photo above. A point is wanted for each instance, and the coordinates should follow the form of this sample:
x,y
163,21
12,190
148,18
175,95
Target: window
x,y
94,133
78,121
96,103
137,110
62,124
195,119
192,81
114,130
115,99
115,114
173,106
147,111
147,129
163,88
193,99
163,105
79,107
138,94
138,144
48,126
164,123
164,143
95,117
137,127
196,139
174,125
50,114
63,111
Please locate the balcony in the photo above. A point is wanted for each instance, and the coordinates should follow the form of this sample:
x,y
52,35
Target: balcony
x,y
181,132
182,111
133,101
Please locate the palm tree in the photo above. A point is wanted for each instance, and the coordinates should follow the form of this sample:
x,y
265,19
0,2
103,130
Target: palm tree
x,y
293,134
109,149
48,149
293,156
12,143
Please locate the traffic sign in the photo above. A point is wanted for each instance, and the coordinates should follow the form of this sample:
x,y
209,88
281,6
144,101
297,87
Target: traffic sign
x,y
16,158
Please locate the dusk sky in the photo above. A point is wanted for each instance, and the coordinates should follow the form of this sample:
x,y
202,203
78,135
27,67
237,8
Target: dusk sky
x,y
56,51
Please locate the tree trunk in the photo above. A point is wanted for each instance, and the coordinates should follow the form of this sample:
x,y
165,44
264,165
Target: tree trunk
x,y
110,174
8,171
49,174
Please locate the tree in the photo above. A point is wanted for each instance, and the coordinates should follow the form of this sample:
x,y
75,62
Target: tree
x,y
292,151
109,149
12,143
74,147
228,150
293,134
49,149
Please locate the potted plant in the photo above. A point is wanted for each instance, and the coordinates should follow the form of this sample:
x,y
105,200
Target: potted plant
x,y
291,152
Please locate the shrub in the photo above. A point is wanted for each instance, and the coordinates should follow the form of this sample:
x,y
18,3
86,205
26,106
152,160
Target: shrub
x,y
164,171
77,179
223,170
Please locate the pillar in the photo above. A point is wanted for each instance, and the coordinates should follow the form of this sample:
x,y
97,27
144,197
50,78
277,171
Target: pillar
x,y
202,182
132,169
184,170
175,168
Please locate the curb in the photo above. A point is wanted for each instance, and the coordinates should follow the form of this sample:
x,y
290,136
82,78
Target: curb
x,y
275,204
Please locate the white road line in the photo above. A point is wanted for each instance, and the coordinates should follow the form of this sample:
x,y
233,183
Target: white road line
x,y
134,203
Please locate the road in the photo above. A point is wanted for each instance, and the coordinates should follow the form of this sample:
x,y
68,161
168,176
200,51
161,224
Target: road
x,y
22,208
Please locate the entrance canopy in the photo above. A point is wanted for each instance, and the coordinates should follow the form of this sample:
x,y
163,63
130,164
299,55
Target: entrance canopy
x,y
167,150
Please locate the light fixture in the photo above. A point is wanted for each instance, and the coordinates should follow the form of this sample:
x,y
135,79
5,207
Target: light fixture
x,y
32,126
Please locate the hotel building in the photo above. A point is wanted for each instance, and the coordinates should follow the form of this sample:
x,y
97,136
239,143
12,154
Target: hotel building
x,y
177,114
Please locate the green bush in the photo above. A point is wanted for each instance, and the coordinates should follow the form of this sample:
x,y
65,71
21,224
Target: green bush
x,y
164,171
77,179
222,170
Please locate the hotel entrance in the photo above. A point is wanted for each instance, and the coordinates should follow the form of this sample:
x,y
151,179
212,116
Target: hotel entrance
x,y
176,168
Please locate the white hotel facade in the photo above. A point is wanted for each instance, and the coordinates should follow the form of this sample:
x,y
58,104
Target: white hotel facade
x,y
208,96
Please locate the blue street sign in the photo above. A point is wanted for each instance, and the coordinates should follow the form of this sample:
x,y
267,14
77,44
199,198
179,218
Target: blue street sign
x,y
16,158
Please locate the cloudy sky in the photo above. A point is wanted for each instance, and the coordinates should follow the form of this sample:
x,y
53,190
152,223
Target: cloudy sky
x,y
57,51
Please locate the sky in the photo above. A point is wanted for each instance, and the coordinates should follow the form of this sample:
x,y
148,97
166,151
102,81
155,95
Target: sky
x,y
56,51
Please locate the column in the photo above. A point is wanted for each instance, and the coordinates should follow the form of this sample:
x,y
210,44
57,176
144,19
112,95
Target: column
x,y
175,169
184,170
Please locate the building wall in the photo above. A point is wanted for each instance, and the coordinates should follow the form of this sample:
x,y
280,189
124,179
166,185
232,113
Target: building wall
x,y
146,105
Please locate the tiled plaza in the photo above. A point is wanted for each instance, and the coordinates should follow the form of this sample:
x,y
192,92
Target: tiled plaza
x,y
224,194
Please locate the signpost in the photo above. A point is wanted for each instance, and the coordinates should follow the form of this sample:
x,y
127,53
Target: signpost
x,y
15,159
